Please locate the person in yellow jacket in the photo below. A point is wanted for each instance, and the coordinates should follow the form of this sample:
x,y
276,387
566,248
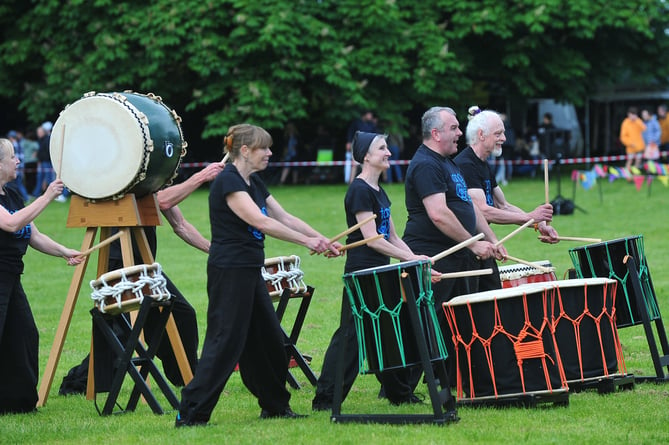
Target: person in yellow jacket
x,y
631,131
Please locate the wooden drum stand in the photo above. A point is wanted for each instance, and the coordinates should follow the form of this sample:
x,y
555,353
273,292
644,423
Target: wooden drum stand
x,y
129,214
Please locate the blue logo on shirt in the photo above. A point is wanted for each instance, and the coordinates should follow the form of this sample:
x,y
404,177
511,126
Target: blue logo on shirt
x,y
24,232
460,187
488,193
384,227
257,234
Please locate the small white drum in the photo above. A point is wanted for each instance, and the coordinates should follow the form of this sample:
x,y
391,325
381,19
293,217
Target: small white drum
x,y
108,144
516,274
123,290
283,273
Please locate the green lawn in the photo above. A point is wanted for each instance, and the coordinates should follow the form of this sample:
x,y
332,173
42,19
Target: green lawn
x,y
638,416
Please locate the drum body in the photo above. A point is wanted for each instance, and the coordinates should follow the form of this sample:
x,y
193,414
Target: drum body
x,y
504,343
282,273
585,329
123,290
108,144
386,336
517,274
605,260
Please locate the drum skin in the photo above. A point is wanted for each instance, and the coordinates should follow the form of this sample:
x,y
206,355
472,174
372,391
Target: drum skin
x,y
385,333
108,144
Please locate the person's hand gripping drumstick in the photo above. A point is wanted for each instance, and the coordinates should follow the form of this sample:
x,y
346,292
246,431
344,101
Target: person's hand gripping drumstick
x,y
348,231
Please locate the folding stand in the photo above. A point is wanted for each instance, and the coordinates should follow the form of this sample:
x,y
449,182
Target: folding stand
x,y
440,399
129,214
659,361
291,340
140,366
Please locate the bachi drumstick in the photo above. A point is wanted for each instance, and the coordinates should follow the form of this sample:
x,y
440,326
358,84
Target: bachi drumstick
x,y
465,273
530,222
457,247
527,263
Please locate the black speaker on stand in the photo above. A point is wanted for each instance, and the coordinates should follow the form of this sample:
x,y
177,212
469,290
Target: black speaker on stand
x,y
556,143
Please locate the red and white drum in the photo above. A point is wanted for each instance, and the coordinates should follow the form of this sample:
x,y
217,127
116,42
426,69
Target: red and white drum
x,y
282,273
504,344
516,274
123,290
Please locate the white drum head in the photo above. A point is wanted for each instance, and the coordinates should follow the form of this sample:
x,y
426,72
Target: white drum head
x,y
98,146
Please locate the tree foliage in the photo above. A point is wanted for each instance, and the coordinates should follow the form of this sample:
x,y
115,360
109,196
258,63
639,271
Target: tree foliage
x,y
322,61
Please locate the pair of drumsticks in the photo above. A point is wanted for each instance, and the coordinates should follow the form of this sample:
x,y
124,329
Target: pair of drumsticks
x,y
352,229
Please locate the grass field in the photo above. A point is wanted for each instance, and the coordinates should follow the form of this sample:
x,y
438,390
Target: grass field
x,y
637,416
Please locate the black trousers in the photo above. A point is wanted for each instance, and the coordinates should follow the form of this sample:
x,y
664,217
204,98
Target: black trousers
x,y
19,348
395,383
242,327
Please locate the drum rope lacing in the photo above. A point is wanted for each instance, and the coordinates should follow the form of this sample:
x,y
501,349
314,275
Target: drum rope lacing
x,y
424,300
528,344
631,248
152,279
608,317
293,276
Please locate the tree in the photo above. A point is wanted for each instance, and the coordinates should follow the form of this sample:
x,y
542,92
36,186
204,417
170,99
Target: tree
x,y
220,62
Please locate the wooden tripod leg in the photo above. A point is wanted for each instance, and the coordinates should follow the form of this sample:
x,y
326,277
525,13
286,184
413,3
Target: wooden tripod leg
x,y
171,327
65,318
103,265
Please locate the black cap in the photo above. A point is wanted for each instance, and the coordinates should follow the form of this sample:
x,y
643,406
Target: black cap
x,y
360,145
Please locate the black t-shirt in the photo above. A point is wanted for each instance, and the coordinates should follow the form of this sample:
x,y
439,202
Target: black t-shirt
x,y
13,245
431,173
360,197
233,242
477,173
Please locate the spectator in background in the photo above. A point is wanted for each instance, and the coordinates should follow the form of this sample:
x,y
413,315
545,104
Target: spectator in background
x,y
631,136
663,120
45,173
290,154
30,148
19,182
651,136
396,147
367,123
505,161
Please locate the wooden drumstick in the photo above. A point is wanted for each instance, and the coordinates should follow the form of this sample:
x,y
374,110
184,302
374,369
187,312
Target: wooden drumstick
x,y
575,238
351,229
62,153
361,242
225,158
465,273
109,240
457,247
527,263
524,226
546,180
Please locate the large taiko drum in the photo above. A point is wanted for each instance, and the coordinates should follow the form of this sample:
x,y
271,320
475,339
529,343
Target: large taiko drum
x,y
386,337
585,328
504,344
516,274
606,260
105,145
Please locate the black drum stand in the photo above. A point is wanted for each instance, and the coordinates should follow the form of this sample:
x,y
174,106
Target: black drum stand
x,y
124,340
659,361
442,402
